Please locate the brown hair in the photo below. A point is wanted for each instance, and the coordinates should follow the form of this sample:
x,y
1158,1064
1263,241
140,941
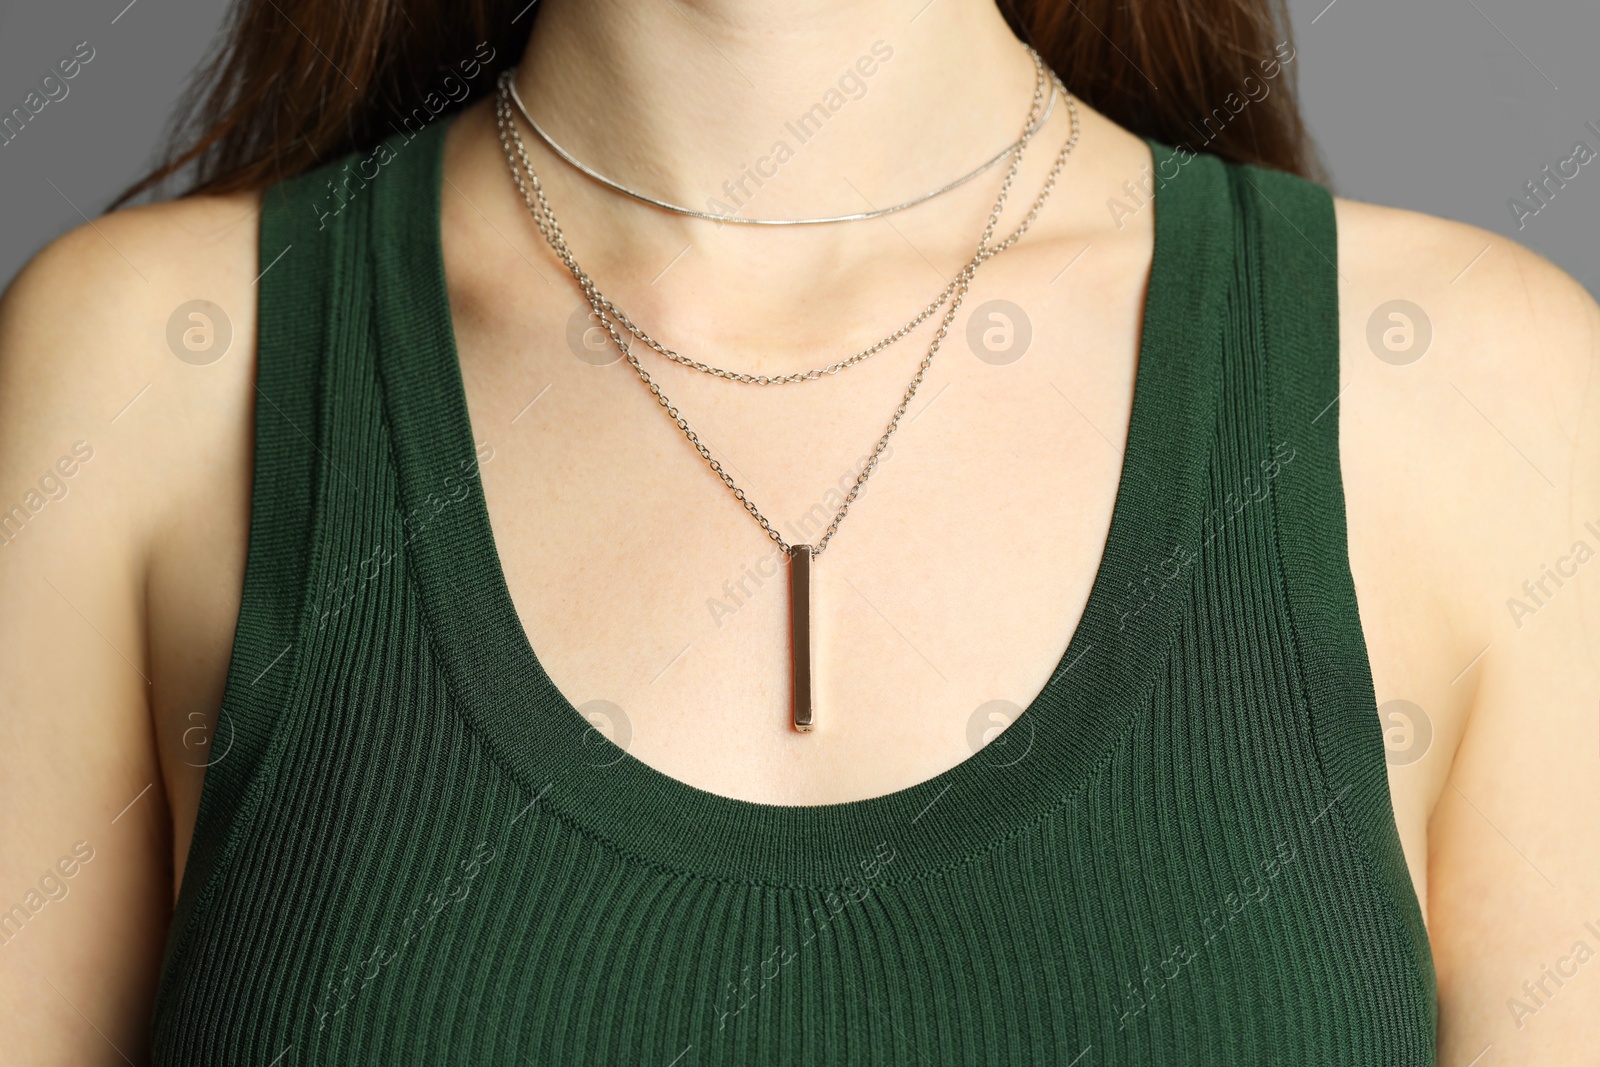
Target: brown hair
x,y
295,82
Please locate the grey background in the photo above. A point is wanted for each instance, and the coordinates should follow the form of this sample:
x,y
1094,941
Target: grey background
x,y
1441,106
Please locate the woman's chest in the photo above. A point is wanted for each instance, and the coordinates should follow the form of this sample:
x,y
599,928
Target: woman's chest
x,y
957,560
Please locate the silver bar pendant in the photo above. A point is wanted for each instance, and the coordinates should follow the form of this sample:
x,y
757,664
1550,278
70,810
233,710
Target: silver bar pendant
x,y
800,633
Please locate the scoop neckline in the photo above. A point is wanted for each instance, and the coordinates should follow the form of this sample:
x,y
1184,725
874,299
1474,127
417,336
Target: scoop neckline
x,y
1110,667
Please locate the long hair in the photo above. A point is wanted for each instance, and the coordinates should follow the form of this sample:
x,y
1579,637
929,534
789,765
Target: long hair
x,y
292,83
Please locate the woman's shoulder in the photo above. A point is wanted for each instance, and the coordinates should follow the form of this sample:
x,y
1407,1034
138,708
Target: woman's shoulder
x,y
1467,372
170,233
130,340
106,305
1462,268
139,327
1470,439
1469,423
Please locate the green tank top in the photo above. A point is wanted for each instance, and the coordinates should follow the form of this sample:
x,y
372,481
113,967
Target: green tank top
x,y
412,849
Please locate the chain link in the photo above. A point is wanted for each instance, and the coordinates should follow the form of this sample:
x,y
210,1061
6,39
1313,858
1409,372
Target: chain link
x,y
610,316
722,218
1042,81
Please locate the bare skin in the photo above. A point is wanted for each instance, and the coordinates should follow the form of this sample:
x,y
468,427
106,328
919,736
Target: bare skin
x,y
958,577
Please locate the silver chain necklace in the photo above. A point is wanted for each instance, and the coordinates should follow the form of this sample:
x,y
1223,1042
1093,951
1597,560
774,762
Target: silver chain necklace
x,y
801,557
616,186
1042,81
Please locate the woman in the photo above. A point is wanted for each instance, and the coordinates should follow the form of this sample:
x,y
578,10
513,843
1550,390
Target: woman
x,y
522,740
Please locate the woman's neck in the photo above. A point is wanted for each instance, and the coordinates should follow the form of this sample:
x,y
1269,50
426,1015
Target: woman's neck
x,y
768,108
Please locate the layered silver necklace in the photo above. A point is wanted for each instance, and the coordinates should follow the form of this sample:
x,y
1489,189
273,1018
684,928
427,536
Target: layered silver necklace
x,y
802,558
820,220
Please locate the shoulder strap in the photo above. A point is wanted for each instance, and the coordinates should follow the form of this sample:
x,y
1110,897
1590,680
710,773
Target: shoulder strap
x,y
1291,227
311,235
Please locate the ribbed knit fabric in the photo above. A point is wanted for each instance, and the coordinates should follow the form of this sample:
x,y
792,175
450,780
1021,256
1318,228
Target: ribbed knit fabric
x,y
416,851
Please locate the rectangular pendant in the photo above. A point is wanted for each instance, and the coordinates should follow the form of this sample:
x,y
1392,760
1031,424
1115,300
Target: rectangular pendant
x,y
800,633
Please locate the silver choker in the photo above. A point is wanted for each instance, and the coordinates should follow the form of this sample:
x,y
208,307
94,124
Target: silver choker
x,y
617,186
